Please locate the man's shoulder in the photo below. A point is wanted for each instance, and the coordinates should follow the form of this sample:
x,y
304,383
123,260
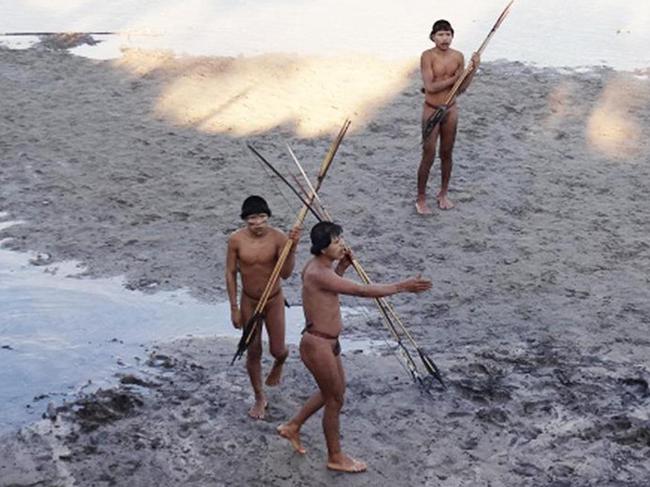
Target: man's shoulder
x,y
237,235
311,268
318,274
428,53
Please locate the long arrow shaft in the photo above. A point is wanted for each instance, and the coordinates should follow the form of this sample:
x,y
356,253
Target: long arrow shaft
x,y
468,70
284,180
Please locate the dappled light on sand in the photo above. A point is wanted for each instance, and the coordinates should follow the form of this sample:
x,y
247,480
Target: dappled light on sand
x,y
241,96
613,127
141,63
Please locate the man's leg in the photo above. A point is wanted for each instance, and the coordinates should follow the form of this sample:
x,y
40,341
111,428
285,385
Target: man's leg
x,y
337,460
428,156
275,328
254,362
447,139
318,355
291,429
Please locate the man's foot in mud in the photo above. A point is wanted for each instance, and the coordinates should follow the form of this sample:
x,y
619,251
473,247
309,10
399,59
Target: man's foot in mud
x,y
421,206
343,463
273,379
258,410
291,433
444,203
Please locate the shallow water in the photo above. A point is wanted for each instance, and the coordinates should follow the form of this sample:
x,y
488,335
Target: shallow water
x,y
59,334
545,32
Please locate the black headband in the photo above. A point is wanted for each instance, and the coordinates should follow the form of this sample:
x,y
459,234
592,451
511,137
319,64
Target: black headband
x,y
254,205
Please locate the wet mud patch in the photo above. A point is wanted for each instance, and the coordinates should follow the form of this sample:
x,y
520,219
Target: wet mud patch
x,y
130,379
66,40
484,385
104,407
623,430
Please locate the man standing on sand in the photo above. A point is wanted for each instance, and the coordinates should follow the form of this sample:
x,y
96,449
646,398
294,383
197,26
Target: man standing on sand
x,y
440,68
253,252
320,348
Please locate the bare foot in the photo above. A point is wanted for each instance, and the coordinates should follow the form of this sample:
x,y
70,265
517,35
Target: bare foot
x,y
273,379
259,408
344,463
292,434
444,203
421,206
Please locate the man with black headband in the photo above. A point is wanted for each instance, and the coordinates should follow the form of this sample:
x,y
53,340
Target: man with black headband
x,y
319,347
440,68
253,252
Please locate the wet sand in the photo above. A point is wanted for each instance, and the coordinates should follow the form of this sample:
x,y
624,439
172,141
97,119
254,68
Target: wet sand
x,y
538,317
540,415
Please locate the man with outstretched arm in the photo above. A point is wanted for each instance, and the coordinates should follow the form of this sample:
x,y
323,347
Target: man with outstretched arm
x,y
320,348
253,252
440,67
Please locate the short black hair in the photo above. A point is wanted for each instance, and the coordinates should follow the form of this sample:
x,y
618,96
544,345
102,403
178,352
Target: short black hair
x,y
254,205
439,25
322,234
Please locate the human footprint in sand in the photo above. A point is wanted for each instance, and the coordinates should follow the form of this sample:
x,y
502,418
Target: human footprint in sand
x,y
319,346
253,252
440,68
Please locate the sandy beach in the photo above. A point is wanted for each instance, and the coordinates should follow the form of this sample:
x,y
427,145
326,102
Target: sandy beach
x,y
539,313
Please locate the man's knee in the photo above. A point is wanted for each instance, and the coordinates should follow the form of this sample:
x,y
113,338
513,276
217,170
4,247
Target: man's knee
x,y
279,353
446,156
335,401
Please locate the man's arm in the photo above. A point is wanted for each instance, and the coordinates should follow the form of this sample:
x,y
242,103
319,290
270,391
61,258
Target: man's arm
x,y
426,70
473,65
332,282
231,282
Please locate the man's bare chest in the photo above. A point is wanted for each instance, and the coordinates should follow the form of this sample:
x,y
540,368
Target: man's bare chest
x,y
444,67
258,253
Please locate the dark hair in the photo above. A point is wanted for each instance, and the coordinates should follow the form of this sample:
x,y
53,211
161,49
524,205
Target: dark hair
x,y
439,25
322,234
254,205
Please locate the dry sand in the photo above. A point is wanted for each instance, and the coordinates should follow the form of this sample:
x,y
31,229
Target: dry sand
x,y
538,317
